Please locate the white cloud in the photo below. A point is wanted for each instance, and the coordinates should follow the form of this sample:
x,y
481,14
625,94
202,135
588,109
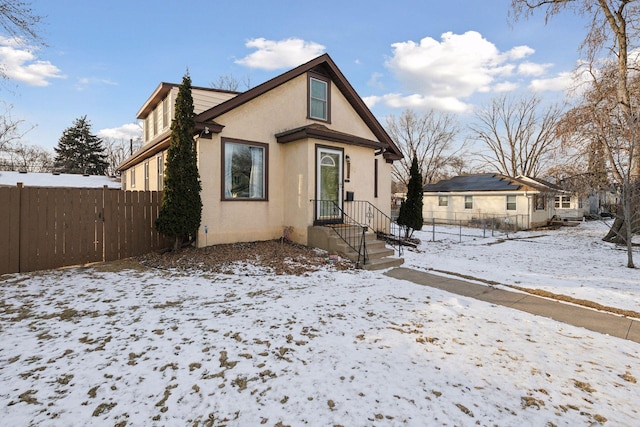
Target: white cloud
x,y
532,69
457,66
444,73
416,101
519,52
126,132
273,55
84,82
562,81
18,62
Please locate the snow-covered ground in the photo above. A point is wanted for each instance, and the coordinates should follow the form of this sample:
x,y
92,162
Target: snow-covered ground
x,y
571,261
122,345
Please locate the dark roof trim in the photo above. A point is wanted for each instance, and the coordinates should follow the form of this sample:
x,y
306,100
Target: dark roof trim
x,y
163,141
163,89
325,65
322,132
145,152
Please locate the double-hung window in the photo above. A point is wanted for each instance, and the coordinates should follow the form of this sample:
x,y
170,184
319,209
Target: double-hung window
x,y
562,202
319,98
511,202
443,200
245,170
468,202
160,171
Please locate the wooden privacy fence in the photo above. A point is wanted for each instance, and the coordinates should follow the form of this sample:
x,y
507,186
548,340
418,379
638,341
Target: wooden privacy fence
x,y
43,228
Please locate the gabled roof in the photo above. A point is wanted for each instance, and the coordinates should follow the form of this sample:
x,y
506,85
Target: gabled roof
x,y
205,121
490,182
323,63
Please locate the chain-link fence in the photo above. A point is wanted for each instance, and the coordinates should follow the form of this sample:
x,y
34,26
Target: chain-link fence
x,y
478,227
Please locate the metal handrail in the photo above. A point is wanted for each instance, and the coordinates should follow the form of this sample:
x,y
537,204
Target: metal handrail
x,y
372,217
348,229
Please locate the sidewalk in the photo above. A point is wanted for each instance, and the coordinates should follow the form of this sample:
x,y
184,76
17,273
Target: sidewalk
x,y
597,321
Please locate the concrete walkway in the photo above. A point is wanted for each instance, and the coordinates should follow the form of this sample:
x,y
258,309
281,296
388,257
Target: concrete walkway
x,y
598,321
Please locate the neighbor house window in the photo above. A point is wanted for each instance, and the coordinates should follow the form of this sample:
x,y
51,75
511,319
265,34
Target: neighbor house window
x,y
165,112
244,166
146,175
468,202
562,202
155,121
132,177
540,202
147,124
160,167
443,200
318,98
511,202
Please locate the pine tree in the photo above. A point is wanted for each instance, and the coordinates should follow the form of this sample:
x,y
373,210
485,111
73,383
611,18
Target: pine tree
x,y
79,151
410,214
181,210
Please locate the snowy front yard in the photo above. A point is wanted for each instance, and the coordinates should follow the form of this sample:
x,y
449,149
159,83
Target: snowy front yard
x,y
121,344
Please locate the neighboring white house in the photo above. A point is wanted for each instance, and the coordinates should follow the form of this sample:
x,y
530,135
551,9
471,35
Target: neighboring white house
x,y
527,202
37,179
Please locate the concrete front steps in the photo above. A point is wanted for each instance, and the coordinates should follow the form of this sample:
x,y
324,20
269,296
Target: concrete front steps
x,y
379,256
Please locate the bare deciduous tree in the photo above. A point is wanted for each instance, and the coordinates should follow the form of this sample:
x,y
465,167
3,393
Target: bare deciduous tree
x,y
519,135
230,82
27,158
20,21
614,30
118,150
10,129
430,138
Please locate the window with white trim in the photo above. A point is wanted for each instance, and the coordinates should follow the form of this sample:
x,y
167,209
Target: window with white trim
x,y
468,202
165,112
562,202
160,167
132,176
146,175
244,168
511,202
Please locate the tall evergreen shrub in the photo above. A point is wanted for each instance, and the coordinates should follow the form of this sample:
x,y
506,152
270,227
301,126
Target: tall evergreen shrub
x,y
410,214
181,209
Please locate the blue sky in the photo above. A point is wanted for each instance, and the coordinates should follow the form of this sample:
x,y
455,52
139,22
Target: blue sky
x,y
104,59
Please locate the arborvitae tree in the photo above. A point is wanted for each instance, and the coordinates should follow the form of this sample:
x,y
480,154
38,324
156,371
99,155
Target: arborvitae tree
x,y
181,210
79,151
410,214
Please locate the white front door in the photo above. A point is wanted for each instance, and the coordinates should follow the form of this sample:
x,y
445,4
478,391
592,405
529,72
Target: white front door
x,y
328,185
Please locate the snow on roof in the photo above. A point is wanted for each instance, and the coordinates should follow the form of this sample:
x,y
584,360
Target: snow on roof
x,y
34,179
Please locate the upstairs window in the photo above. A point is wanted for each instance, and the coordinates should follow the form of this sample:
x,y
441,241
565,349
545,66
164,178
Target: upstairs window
x,y
318,99
165,112
155,121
